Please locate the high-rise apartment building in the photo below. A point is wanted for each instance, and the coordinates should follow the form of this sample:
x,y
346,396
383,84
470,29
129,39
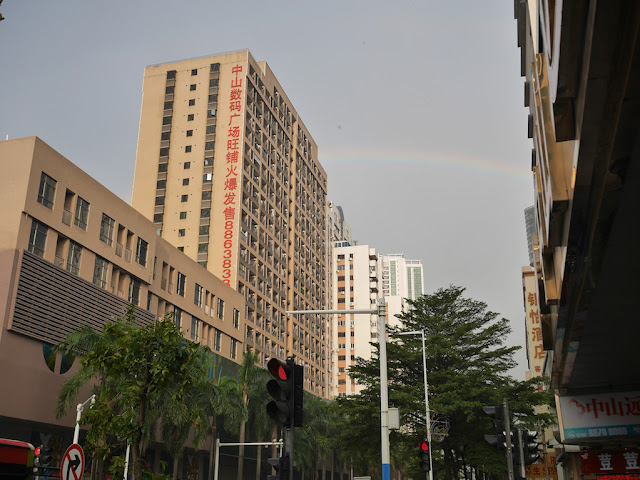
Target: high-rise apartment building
x,y
229,174
402,277
532,233
355,286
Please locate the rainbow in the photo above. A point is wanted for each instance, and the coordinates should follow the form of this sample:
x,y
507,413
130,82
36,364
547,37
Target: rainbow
x,y
519,170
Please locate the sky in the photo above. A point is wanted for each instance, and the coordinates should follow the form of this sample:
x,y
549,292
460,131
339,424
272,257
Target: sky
x,y
416,108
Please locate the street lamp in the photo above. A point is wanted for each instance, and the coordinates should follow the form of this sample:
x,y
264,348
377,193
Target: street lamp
x,y
380,312
426,393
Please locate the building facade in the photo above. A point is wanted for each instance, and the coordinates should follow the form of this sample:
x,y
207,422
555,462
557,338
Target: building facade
x,y
355,286
580,64
402,277
74,254
228,173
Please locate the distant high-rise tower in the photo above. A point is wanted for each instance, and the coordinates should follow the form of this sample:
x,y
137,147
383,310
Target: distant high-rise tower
x,y
401,277
228,172
532,233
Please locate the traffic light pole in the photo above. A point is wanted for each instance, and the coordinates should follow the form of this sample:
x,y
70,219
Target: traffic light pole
x,y
380,312
507,432
426,394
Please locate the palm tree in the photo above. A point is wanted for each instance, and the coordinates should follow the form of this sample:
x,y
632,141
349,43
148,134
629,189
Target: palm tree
x,y
250,376
225,400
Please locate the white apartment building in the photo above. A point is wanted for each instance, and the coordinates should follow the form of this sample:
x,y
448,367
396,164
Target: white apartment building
x,y
356,279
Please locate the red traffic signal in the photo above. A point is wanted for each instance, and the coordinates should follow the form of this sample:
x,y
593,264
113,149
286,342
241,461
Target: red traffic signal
x,y
424,446
424,455
36,451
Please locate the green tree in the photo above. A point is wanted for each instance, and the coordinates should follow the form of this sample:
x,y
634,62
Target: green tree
x,y
143,376
250,377
467,365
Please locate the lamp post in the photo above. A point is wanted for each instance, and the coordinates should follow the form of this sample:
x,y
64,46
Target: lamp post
x,y
426,394
380,312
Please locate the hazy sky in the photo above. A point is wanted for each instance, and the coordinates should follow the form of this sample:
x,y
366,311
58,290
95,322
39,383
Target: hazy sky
x,y
416,107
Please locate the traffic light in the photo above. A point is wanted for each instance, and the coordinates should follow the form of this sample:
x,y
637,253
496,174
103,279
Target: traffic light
x,y
281,466
499,439
36,458
530,447
282,389
424,455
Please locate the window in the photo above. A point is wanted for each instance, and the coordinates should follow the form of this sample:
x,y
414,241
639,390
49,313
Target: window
x,y
185,181
203,263
169,90
211,113
190,117
183,215
100,272
215,67
192,87
181,232
184,198
82,213
208,162
203,247
187,149
192,102
182,282
181,249
161,184
134,291
213,98
220,308
189,133
106,229
171,74
157,218
206,195
204,229
213,82
168,105
37,238
141,252
165,136
162,167
236,318
166,120
194,72
164,152
187,165
210,129
73,258
234,348
197,295
195,327
217,335
47,190
159,200
207,177
205,212
177,316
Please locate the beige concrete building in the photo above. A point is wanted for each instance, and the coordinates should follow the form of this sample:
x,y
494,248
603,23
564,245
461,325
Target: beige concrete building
x,y
72,253
355,286
228,173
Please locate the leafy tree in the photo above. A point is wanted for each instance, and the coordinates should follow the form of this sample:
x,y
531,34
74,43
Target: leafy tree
x,y
141,374
250,378
467,367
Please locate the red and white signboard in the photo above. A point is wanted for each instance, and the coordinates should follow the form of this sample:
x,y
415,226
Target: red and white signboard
x,y
72,464
610,461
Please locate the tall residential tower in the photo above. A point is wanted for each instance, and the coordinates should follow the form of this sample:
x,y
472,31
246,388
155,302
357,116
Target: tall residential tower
x,y
229,174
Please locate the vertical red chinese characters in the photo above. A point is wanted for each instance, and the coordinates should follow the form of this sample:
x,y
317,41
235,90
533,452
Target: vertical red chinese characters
x,y
230,204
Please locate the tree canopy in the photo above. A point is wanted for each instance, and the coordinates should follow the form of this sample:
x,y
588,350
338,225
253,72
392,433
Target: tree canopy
x,y
144,377
468,367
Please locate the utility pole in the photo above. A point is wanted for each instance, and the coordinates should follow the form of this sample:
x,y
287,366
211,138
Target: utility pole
x,y
507,433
